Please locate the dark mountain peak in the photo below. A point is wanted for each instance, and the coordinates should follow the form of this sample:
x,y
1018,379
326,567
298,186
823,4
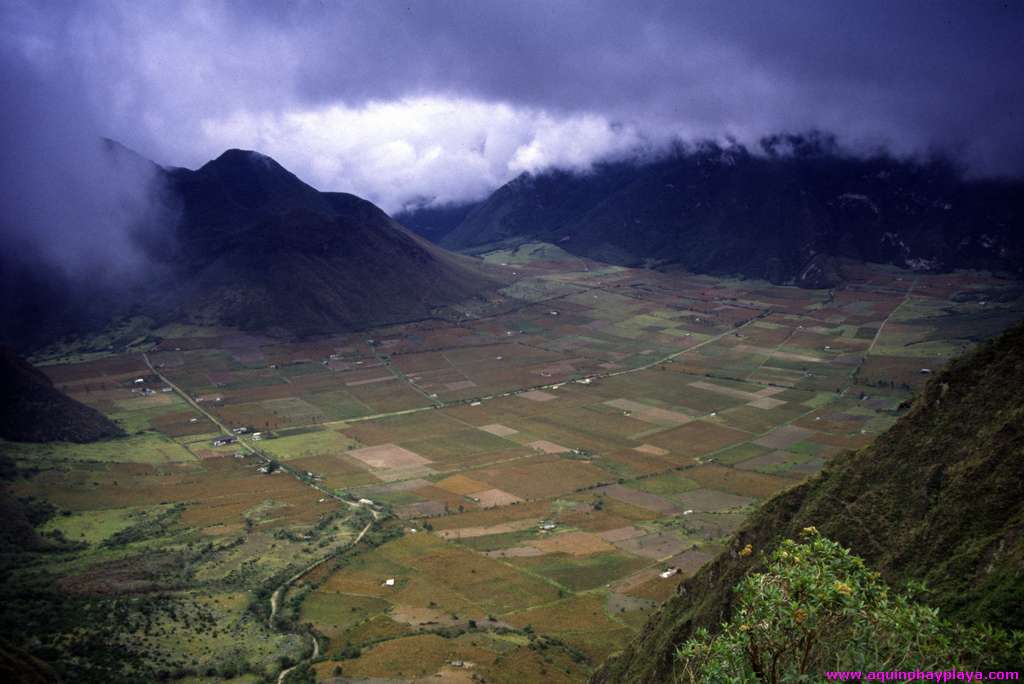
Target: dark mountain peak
x,y
247,165
260,249
246,159
255,181
251,245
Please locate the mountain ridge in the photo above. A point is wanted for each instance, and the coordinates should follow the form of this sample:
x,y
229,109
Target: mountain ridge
x,y
229,228
936,499
784,217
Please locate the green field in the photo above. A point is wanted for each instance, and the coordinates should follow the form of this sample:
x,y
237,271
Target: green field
x,y
148,448
534,467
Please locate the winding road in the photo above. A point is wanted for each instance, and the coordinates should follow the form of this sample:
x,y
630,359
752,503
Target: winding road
x,y
275,597
278,594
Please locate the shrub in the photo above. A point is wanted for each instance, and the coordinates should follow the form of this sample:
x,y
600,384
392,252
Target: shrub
x,y
819,608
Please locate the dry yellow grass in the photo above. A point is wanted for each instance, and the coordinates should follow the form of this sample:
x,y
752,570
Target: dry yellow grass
x,y
574,543
462,485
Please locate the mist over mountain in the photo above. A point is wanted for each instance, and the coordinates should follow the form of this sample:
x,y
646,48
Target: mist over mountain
x,y
475,340
80,214
783,214
243,241
250,245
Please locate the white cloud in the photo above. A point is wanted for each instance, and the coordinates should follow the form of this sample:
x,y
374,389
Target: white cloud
x,y
444,149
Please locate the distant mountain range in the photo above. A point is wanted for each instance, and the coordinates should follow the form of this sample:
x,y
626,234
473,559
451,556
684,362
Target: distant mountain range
x,y
251,245
248,244
783,214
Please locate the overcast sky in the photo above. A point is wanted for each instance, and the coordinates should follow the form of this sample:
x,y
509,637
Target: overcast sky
x,y
396,101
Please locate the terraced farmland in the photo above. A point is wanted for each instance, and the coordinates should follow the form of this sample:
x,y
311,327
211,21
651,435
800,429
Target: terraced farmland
x,y
545,467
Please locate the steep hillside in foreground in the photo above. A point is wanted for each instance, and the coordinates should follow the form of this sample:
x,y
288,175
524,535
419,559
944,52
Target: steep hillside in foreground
x,y
33,410
783,217
937,498
19,667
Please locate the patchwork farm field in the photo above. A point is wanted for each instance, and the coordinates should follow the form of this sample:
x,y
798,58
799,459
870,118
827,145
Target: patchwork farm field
x,y
501,494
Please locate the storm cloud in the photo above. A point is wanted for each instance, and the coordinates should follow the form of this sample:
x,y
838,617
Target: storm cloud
x,y
69,199
443,101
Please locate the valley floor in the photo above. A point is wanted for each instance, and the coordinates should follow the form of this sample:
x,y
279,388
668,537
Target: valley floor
x,y
546,467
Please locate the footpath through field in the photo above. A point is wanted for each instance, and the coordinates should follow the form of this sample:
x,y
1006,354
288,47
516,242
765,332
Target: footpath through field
x,y
275,597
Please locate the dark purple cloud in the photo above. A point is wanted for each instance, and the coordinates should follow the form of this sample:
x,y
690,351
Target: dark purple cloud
x,y
396,100
68,198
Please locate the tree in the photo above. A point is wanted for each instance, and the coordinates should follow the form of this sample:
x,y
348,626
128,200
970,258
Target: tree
x,y
817,608
302,674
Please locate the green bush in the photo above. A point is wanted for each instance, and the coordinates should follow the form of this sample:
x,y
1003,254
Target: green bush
x,y
819,608
302,674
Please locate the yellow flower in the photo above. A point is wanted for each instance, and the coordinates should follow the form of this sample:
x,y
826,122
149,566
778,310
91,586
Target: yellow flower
x,y
747,550
843,588
810,531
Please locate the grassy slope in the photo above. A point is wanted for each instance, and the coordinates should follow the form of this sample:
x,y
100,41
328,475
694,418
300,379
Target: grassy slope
x,y
309,274
288,257
936,498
